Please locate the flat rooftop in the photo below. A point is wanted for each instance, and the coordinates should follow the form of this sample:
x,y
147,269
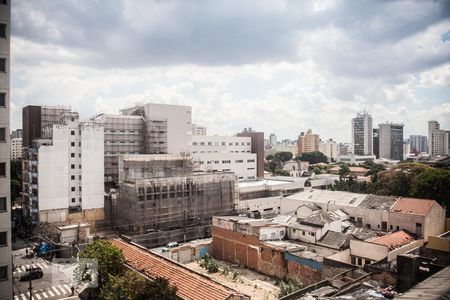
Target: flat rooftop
x,y
262,182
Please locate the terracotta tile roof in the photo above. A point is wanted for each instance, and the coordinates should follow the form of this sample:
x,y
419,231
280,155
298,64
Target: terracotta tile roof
x,y
191,285
413,206
393,240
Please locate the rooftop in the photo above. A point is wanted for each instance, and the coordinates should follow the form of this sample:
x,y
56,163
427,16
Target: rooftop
x,y
335,240
190,284
434,287
321,218
413,206
325,196
393,240
378,202
262,182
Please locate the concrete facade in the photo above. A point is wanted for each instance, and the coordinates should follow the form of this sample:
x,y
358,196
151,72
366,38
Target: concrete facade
x,y
330,149
308,142
257,140
224,153
362,134
65,173
16,148
5,143
391,141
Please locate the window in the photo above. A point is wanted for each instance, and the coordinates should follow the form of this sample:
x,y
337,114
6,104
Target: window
x,y
250,160
2,169
3,31
2,134
353,260
2,204
3,239
3,273
72,144
79,166
73,189
79,177
2,99
72,132
398,227
72,166
2,64
367,262
359,261
4,2
72,154
80,199
73,200
303,233
80,188
72,177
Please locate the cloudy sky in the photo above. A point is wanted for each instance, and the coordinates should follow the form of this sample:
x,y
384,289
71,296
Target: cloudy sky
x,y
278,66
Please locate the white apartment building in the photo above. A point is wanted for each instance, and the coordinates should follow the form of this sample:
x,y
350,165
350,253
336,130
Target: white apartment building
x,y
438,140
16,148
224,153
6,273
330,149
198,130
66,173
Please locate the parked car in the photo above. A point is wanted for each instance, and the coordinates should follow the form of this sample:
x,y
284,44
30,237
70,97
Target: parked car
x,y
33,273
169,246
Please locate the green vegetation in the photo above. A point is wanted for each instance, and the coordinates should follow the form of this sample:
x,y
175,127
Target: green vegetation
x,y
131,285
313,157
117,282
209,263
274,163
407,180
289,286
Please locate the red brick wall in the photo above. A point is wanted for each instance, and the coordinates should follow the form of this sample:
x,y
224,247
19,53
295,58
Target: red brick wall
x,y
253,258
241,254
305,274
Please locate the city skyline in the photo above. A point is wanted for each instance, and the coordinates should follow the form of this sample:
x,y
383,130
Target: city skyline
x,y
290,67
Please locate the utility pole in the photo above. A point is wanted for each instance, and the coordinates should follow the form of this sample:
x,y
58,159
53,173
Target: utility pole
x,y
30,288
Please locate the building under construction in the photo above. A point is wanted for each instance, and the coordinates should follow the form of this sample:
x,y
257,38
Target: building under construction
x,y
161,192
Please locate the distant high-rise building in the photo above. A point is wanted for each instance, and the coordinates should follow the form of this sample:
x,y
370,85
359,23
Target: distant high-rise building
x,y
438,140
362,134
273,140
308,142
376,143
418,143
257,147
6,273
391,141
16,148
198,130
330,149
17,133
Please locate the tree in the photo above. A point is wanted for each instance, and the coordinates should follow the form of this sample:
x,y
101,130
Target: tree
x,y
133,286
283,156
274,163
110,259
313,157
290,286
343,171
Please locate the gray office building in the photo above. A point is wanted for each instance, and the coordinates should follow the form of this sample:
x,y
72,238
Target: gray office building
x,y
418,143
391,141
362,134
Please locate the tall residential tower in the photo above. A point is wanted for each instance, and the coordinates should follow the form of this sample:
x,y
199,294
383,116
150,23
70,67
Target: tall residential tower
x,y
5,201
362,134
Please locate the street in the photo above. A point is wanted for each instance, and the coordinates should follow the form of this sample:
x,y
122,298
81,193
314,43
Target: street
x,y
55,284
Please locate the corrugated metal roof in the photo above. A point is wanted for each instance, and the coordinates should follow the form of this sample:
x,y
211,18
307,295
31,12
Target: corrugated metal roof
x,y
190,285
